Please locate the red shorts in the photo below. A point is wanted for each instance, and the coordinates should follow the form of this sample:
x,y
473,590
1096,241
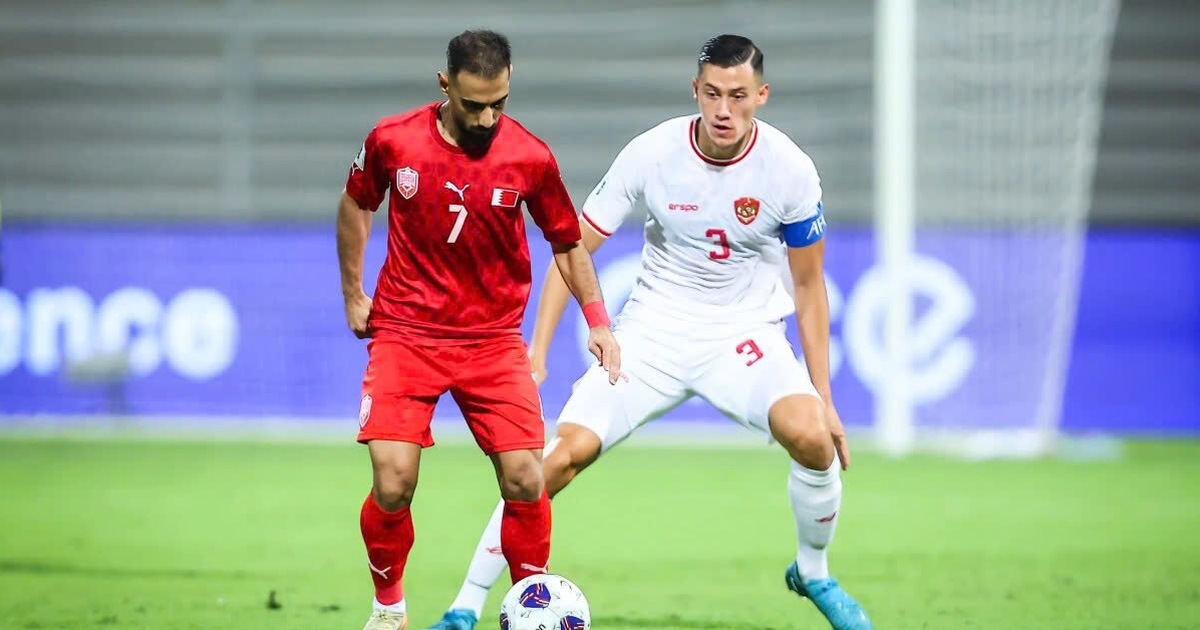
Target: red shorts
x,y
491,380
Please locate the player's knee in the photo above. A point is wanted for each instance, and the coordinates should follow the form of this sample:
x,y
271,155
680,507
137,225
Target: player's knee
x,y
799,426
810,445
522,480
394,487
393,492
394,466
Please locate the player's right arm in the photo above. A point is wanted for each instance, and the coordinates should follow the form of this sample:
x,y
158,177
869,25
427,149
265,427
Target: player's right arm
x,y
365,186
606,208
353,230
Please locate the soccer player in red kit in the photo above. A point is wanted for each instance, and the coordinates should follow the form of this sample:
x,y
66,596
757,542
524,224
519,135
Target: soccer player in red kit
x,y
449,302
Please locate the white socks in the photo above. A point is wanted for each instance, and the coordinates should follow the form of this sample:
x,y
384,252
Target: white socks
x,y
398,607
816,497
487,565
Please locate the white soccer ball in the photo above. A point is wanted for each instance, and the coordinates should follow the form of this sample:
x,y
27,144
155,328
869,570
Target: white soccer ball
x,y
545,602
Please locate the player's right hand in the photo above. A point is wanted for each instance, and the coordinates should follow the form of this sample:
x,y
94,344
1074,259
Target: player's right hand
x,y
838,433
358,309
604,345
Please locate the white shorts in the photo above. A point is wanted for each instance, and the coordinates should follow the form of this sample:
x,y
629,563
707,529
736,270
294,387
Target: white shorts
x,y
741,375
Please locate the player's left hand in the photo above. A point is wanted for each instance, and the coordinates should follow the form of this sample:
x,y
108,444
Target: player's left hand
x,y
604,345
838,433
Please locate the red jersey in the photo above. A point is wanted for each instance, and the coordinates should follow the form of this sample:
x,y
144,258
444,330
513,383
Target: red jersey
x,y
457,265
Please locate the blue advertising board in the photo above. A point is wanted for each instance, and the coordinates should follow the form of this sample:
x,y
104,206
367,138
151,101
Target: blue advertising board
x,y
247,322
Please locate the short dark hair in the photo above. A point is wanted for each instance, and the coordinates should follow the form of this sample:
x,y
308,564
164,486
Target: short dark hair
x,y
727,51
483,53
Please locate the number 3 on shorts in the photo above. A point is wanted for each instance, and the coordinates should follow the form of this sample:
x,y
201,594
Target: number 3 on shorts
x,y
750,349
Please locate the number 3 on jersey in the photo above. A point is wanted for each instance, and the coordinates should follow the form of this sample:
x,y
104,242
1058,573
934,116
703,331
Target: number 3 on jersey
x,y
718,237
460,212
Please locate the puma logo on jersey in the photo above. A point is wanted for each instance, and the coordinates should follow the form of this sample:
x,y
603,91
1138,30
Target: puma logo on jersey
x,y
683,207
461,191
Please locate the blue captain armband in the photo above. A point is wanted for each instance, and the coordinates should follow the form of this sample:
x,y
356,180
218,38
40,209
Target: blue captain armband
x,y
806,232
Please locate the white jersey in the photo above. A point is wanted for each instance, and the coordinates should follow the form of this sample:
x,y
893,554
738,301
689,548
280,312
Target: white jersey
x,y
714,253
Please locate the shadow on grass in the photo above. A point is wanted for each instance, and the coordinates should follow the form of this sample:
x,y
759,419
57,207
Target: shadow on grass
x,y
17,567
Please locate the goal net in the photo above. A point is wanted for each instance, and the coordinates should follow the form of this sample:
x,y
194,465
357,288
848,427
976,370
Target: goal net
x,y
1006,100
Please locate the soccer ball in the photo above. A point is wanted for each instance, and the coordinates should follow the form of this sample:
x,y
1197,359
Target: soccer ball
x,y
545,602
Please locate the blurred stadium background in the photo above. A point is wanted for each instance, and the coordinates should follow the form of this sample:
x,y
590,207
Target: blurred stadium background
x,y
169,175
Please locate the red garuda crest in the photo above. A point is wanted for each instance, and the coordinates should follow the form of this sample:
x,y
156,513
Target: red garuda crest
x,y
746,209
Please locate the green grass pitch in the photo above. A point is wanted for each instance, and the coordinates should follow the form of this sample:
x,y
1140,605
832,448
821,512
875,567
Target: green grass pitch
x,y
172,535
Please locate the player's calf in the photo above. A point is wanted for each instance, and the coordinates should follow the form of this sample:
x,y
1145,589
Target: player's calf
x,y
571,451
814,484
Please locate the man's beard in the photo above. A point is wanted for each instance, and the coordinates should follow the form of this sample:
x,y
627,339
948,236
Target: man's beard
x,y
477,136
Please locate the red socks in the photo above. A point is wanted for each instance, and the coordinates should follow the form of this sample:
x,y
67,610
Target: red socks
x,y
389,537
525,536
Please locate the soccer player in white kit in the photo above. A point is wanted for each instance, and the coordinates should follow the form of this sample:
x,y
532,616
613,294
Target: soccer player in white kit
x,y
730,200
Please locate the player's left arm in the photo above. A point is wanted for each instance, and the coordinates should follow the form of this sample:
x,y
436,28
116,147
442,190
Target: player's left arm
x,y
574,263
806,260
551,208
812,311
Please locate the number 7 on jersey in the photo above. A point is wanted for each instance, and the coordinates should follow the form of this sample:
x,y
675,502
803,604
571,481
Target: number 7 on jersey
x,y
461,217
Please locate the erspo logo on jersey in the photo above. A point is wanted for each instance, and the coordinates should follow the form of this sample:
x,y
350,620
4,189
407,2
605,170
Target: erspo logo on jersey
x,y
683,207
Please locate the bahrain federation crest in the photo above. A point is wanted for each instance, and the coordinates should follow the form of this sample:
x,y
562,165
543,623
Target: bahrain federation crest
x,y
406,182
364,411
